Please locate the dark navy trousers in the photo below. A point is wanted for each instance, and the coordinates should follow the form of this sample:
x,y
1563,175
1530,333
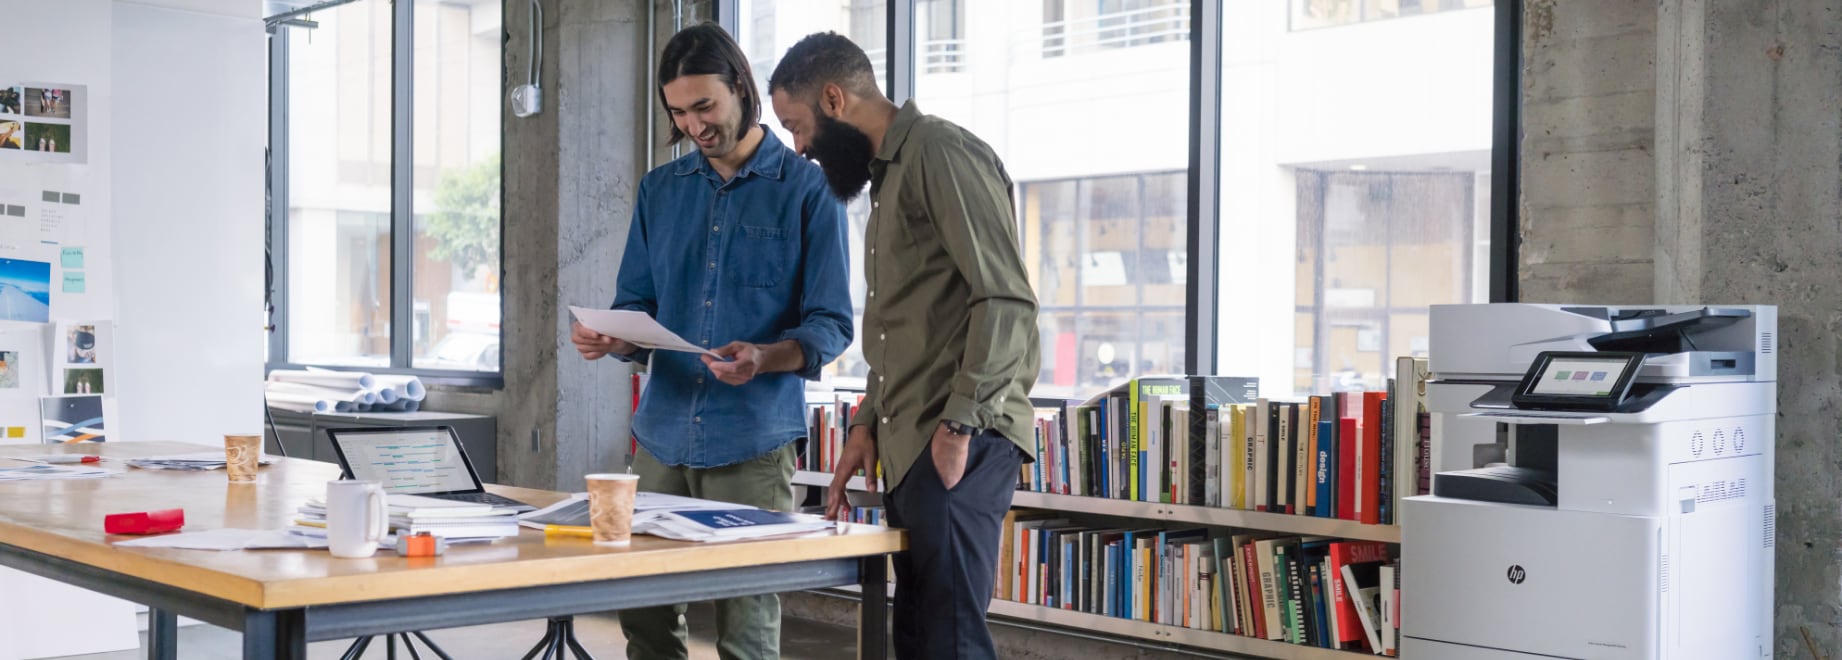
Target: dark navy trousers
x,y
943,583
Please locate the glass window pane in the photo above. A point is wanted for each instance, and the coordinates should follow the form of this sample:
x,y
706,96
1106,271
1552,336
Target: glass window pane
x,y
339,187
456,191
773,26
1358,159
1087,103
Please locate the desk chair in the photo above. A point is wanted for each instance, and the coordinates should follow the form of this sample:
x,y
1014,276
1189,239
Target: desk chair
x,y
561,635
359,645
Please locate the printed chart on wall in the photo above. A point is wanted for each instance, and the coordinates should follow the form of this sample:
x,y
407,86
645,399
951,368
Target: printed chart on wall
x,y
43,122
23,380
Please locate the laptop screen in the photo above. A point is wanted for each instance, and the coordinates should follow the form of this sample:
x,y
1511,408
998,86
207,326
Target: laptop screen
x,y
413,460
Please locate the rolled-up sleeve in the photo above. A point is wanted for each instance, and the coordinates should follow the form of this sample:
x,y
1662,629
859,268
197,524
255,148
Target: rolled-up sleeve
x,y
825,283
969,202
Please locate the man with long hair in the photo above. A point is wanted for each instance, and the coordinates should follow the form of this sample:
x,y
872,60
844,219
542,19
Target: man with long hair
x,y
737,247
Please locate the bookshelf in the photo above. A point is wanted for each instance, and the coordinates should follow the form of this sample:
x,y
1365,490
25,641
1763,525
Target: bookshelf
x,y
1152,511
1177,513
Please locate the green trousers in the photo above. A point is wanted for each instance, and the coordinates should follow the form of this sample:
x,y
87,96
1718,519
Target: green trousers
x,y
747,628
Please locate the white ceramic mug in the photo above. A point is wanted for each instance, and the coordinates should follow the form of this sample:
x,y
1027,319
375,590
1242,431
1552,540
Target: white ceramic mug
x,y
357,518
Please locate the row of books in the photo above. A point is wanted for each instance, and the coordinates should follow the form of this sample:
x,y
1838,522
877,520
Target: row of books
x,y
828,418
1310,591
1213,441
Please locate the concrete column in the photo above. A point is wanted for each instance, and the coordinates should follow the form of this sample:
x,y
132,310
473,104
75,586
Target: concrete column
x,y
1751,149
570,177
1589,103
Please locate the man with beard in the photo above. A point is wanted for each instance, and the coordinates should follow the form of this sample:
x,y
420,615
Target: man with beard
x,y
949,332
9,100
737,247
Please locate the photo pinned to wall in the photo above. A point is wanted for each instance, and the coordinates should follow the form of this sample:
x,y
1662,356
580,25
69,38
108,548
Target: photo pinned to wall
x,y
49,138
25,290
11,363
12,100
80,344
12,134
48,102
72,419
83,381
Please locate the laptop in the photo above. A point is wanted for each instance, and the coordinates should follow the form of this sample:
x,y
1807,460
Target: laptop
x,y
427,461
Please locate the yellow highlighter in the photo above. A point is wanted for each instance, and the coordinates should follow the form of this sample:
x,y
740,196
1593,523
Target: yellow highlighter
x,y
570,530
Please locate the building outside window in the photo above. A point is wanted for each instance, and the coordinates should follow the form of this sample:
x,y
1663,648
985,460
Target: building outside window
x,y
1357,158
338,199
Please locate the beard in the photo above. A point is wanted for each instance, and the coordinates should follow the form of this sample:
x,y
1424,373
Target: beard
x,y
844,154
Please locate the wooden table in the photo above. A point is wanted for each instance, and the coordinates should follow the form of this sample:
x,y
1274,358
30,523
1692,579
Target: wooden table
x,y
283,599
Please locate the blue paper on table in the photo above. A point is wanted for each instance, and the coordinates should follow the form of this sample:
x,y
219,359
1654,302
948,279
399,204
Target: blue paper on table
x,y
737,518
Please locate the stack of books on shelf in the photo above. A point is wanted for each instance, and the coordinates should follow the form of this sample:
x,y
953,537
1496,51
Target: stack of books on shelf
x,y
458,522
1329,593
1213,441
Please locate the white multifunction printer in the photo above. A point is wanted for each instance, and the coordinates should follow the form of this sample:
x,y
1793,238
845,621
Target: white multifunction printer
x,y
1602,487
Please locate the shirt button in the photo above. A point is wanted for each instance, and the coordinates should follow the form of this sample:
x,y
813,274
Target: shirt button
x,y
706,303
715,228
872,250
700,380
873,293
879,379
876,205
712,265
882,336
699,420
885,420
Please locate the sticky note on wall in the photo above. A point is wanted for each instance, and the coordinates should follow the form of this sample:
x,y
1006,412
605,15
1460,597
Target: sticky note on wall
x,y
73,257
74,282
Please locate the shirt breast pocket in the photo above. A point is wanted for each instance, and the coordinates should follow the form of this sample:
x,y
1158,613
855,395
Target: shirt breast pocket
x,y
763,257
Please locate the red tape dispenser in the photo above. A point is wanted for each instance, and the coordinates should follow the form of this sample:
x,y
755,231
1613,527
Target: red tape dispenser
x,y
144,522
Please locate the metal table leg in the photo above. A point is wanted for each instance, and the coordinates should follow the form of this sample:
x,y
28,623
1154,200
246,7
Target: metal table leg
x,y
873,614
162,635
275,635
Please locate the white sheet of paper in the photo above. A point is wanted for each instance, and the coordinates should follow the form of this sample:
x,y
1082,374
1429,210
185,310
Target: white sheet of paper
x,y
226,539
636,328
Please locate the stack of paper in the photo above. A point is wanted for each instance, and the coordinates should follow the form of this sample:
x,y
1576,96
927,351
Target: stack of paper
x,y
410,514
50,472
226,539
203,460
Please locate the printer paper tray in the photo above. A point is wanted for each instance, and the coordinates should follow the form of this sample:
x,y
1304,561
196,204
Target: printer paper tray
x,y
1564,419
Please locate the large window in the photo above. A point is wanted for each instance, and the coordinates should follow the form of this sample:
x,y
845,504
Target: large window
x,y
1356,158
774,26
1341,170
354,201
1088,105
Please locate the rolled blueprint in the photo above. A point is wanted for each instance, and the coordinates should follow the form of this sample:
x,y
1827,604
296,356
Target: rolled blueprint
x,y
343,380
406,387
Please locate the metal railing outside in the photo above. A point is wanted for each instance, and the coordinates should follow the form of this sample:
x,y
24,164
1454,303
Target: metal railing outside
x,y
943,56
1123,29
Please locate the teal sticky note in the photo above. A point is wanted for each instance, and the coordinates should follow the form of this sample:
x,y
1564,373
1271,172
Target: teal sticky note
x,y
73,257
73,282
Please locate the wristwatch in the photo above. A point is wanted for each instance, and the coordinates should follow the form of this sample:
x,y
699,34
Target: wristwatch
x,y
957,428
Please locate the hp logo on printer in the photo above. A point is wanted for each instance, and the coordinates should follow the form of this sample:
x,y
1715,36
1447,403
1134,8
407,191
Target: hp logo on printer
x,y
1516,574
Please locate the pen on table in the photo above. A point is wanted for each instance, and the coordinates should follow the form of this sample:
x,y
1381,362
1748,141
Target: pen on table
x,y
569,530
68,458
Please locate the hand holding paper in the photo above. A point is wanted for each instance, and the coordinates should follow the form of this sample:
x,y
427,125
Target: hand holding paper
x,y
635,328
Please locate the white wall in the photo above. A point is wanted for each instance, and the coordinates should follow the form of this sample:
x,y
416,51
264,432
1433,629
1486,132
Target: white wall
x,y
191,124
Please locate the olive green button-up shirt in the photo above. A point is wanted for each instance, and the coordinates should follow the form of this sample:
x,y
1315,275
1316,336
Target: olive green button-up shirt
x,y
949,325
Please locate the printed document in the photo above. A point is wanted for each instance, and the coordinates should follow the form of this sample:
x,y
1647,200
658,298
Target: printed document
x,y
635,328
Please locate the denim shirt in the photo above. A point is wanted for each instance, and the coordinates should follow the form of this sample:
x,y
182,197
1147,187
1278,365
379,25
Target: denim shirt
x,y
761,258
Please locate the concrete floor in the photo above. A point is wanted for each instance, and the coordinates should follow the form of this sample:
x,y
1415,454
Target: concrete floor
x,y
600,634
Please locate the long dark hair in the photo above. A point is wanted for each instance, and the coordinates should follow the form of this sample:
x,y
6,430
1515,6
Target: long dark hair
x,y
707,50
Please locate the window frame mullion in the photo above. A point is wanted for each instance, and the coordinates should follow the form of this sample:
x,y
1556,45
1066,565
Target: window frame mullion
x,y
402,184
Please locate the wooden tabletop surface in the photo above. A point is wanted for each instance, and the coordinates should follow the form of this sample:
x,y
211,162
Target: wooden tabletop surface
x,y
63,518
